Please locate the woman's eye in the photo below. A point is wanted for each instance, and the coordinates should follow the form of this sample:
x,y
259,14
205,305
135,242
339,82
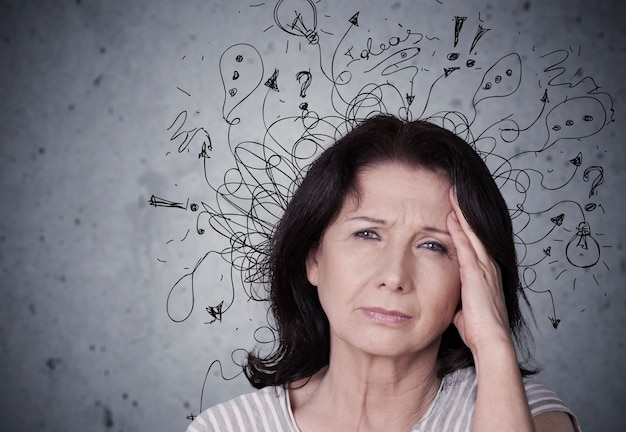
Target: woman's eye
x,y
366,234
434,246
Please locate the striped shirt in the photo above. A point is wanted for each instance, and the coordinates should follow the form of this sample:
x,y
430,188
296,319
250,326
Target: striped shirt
x,y
452,409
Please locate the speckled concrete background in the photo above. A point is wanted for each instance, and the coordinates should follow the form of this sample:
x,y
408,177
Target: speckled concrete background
x,y
87,90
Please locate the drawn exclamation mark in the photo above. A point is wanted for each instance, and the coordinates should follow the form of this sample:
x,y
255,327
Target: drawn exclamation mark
x,y
479,34
458,25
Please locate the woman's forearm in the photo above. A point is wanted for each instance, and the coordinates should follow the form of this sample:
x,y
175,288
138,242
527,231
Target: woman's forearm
x,y
501,402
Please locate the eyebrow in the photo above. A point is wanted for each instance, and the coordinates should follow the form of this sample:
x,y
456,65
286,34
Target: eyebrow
x,y
367,219
429,229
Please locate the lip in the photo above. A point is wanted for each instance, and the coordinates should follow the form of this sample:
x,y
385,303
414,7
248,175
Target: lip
x,y
386,317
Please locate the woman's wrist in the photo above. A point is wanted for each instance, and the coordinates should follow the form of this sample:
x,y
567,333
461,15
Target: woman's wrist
x,y
489,341
501,402
495,352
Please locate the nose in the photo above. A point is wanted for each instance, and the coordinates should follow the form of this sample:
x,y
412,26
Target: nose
x,y
395,269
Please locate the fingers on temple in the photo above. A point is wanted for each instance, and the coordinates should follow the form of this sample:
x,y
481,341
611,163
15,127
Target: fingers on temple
x,y
473,240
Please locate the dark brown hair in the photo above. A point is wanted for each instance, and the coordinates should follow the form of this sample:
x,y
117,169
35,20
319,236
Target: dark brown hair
x,y
303,343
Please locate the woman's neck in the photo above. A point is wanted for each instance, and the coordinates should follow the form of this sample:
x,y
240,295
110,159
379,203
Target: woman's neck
x,y
365,393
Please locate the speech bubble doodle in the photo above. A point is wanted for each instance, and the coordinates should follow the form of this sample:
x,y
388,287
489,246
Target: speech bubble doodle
x,y
241,70
502,79
574,118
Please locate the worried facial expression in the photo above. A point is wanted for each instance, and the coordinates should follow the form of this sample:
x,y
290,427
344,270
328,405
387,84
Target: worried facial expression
x,y
386,269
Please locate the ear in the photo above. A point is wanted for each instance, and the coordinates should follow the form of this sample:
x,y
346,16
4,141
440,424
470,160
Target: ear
x,y
312,267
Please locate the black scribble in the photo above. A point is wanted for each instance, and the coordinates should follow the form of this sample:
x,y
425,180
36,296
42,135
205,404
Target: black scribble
x,y
215,312
183,91
306,75
480,32
217,364
182,296
272,82
512,117
597,181
187,136
203,152
458,24
161,202
354,19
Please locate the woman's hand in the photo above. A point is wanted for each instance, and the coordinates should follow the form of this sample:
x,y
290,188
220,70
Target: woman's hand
x,y
482,320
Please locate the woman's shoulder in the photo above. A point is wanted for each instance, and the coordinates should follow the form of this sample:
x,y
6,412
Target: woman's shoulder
x,y
261,410
543,399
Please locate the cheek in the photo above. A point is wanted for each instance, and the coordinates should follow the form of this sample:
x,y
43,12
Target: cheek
x,y
339,286
332,302
455,299
441,310
454,283
449,293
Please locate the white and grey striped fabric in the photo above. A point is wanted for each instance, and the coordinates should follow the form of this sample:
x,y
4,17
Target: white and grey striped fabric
x,y
269,409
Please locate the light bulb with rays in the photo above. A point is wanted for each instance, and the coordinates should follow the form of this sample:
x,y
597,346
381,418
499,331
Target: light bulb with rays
x,y
298,18
583,250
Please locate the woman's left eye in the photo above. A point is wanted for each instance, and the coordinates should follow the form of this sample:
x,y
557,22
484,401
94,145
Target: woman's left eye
x,y
434,246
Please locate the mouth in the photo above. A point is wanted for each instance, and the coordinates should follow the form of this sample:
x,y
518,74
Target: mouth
x,y
387,317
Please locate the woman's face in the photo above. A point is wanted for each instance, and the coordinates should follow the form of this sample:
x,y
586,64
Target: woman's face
x,y
386,269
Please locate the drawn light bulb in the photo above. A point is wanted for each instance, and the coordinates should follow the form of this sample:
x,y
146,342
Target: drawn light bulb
x,y
583,250
297,17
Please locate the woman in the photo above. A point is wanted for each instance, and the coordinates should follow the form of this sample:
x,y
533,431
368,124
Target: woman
x,y
394,289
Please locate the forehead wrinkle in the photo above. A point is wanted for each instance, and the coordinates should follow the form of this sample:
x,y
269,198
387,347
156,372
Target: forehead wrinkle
x,y
383,222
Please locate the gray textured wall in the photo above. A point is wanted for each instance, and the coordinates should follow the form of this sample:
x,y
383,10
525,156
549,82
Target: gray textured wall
x,y
87,92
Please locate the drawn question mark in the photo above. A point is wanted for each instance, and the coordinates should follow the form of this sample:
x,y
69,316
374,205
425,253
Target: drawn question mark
x,y
307,81
597,181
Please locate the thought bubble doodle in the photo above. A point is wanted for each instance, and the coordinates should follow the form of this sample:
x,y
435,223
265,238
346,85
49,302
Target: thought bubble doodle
x,y
241,70
575,118
502,79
